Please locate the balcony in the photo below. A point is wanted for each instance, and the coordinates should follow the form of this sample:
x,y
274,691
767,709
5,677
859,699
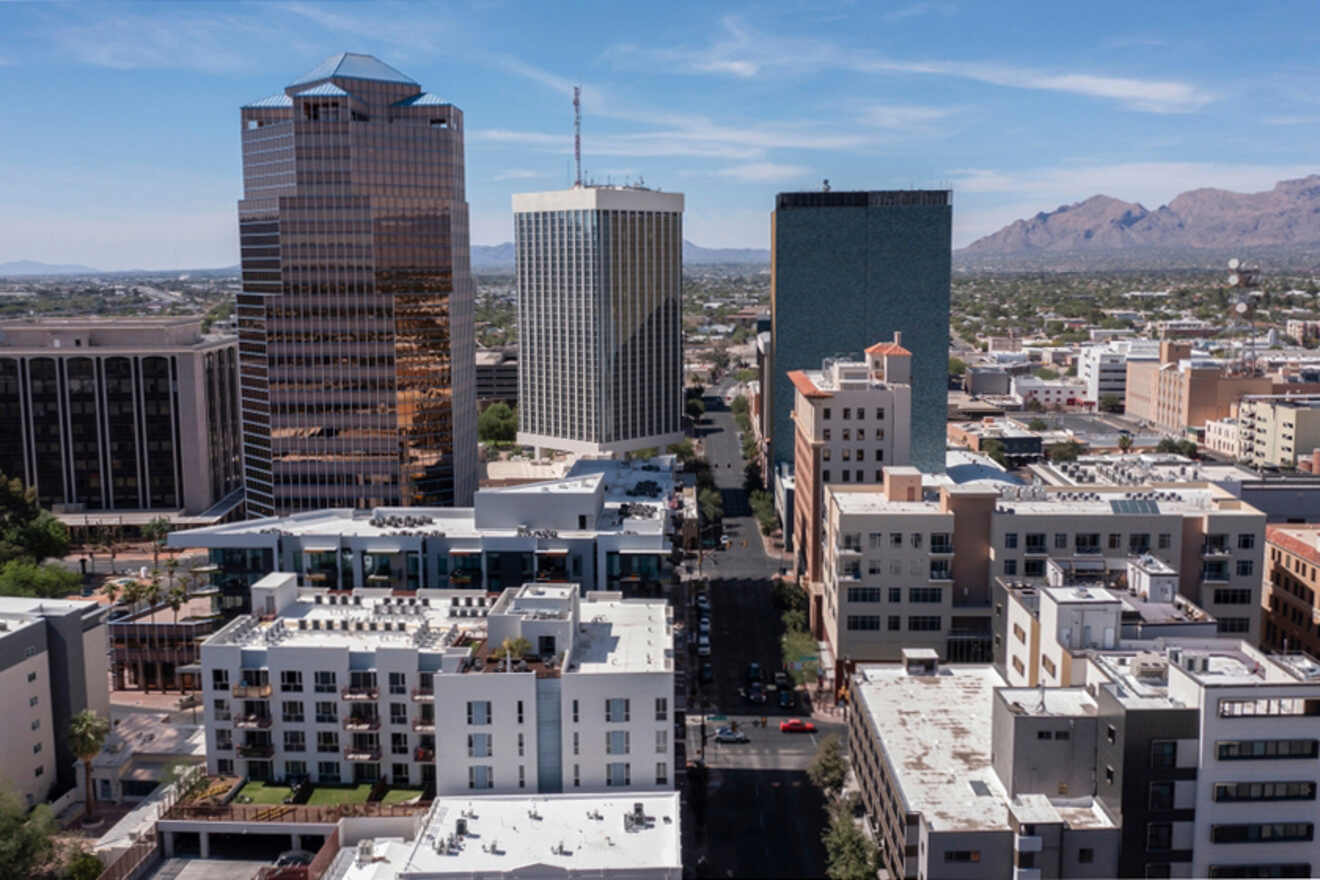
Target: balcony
x,y
256,751
352,753
850,550
424,725
223,716
359,694
423,695
357,724
943,548
252,691
1215,550
252,722
423,754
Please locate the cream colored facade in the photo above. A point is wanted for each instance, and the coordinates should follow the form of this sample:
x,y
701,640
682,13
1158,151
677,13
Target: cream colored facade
x,y
1278,430
26,730
1224,437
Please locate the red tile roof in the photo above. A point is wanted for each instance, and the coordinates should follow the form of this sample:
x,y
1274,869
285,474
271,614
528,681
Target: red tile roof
x,y
888,348
805,385
1287,539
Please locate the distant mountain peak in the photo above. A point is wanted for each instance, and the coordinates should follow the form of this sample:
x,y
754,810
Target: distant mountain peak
x,y
1206,218
18,268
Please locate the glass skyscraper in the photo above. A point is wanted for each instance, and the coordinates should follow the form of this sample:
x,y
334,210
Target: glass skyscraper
x,y
600,360
846,269
355,321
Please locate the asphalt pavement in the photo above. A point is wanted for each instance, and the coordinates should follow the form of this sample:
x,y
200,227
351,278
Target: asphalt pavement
x,y
756,814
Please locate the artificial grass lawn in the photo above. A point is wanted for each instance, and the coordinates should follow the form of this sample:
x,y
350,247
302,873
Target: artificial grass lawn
x,y
399,795
261,793
328,795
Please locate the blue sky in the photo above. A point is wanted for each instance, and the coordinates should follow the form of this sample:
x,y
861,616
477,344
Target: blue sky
x,y
119,133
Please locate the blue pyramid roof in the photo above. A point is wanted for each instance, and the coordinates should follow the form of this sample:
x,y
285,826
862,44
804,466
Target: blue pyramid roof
x,y
280,100
352,65
422,99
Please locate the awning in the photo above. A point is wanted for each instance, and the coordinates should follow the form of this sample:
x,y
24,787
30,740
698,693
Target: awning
x,y
455,551
553,551
381,547
654,552
321,546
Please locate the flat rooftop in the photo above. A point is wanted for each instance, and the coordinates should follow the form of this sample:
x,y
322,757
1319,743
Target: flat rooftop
x,y
1065,701
1138,470
871,499
936,730
545,835
623,635
1106,500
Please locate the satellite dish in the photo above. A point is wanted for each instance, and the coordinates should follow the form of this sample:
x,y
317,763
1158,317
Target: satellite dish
x,y
1233,280
1234,263
1240,308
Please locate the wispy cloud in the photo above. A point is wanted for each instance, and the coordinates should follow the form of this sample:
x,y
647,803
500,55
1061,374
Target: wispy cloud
x,y
904,117
1291,120
519,174
917,10
764,172
1151,183
743,52
158,41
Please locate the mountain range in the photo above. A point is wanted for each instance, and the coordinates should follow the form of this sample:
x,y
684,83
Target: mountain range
x,y
32,267
1198,221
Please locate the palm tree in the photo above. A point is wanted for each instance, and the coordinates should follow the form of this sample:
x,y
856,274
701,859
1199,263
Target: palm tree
x,y
1124,442
111,591
175,599
171,566
86,737
155,532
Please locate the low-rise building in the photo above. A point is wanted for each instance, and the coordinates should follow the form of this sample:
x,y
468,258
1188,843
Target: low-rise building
x,y
52,666
1291,609
154,648
1033,390
1277,430
1103,368
142,752
851,420
1224,437
535,691
608,524
497,376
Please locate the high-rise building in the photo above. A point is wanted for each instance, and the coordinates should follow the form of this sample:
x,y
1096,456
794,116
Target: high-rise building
x,y
846,269
118,421
600,356
357,352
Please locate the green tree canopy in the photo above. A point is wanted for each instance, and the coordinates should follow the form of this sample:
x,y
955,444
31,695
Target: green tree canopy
x,y
25,838
684,450
1178,446
82,865
829,768
26,530
696,408
712,504
1067,451
1037,425
498,423
1111,403
957,366
849,854
22,577
994,447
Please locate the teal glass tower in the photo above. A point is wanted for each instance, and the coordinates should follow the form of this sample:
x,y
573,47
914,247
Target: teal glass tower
x,y
848,268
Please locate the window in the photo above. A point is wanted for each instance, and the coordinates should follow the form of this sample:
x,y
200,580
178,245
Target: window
x,y
1109,775
1265,749
295,741
520,711
1245,567
478,712
292,712
616,742
1044,734
661,742
575,711
481,776
1085,855
522,745
880,413
398,713
1033,567
1019,633
1010,567
661,773
225,766
327,741
327,712
220,679
1047,664
1265,791
618,774
1246,541
224,740
1164,754
479,745
1018,665
825,435
399,773
895,594
895,623
576,749
962,855
895,539
1262,832
617,710
36,749
1010,540
291,681
325,682
846,436
1165,540
1060,541
1062,734
1159,835
940,570
847,412
824,476
32,701
1233,597
522,776
661,708
865,594
1111,734
1233,624
31,677
1115,542
39,771
1036,542
327,771
398,743
863,622
1287,869
1085,542
926,595
398,683
577,775
923,623
1161,795
1138,544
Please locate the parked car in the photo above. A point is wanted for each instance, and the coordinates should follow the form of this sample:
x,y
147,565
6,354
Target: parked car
x,y
703,626
755,694
796,725
703,603
729,735
753,671
703,646
707,673
782,680
787,698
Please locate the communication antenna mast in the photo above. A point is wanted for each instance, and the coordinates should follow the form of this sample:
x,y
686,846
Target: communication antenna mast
x,y
577,133
1242,276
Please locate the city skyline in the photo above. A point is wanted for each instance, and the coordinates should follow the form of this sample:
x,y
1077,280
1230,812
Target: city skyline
x,y
1017,111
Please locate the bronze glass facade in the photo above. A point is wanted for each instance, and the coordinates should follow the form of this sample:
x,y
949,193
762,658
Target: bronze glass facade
x,y
355,320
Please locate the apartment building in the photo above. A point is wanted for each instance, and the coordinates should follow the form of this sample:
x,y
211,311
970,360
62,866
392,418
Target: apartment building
x,y
1102,369
121,420
1196,759
851,419
1292,615
609,523
1224,437
52,666
907,565
1278,430
537,690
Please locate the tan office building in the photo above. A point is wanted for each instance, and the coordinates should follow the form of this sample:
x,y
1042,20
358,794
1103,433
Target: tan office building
x,y
1278,430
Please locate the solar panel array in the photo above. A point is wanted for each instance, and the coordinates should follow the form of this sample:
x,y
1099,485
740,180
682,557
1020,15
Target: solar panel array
x,y
1134,505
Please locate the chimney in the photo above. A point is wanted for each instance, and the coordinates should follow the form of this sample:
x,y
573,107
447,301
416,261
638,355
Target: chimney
x,y
898,337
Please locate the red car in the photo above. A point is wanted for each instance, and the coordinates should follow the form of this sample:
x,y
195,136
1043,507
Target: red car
x,y
796,725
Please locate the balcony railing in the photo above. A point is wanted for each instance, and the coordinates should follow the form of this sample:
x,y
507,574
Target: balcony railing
x,y
356,754
850,549
424,754
223,716
256,751
423,695
354,724
252,691
424,725
252,721
359,694
1215,550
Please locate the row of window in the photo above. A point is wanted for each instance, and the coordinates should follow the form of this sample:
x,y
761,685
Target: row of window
x,y
872,623
1089,542
922,595
848,413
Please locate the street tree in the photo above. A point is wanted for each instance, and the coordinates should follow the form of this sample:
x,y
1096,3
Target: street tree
x,y
696,408
1124,443
498,423
712,505
1111,403
25,837
26,530
849,853
86,737
156,532
829,768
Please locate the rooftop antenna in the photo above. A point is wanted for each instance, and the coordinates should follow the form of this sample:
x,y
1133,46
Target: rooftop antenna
x,y
577,133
